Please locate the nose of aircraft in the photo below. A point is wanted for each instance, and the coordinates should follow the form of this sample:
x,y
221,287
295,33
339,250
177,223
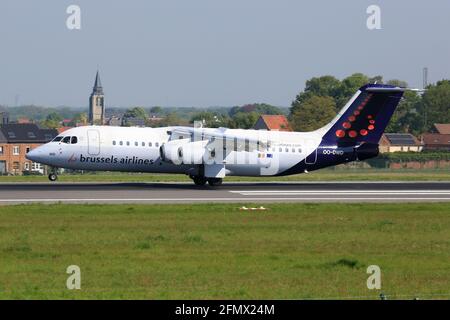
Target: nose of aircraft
x,y
35,155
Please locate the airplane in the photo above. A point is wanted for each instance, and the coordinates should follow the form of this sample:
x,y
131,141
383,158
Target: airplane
x,y
207,155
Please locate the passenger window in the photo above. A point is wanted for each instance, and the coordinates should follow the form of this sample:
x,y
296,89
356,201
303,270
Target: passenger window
x,y
157,144
136,143
114,142
128,143
149,144
121,143
299,150
280,150
287,150
74,140
293,150
143,144
66,139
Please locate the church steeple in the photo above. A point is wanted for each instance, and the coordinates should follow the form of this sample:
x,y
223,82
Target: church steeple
x,y
97,103
98,89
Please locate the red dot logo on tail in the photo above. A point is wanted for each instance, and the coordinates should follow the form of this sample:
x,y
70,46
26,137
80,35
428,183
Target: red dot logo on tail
x,y
340,133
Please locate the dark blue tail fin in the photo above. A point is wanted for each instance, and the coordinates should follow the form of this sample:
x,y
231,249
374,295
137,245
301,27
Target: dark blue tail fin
x,y
365,117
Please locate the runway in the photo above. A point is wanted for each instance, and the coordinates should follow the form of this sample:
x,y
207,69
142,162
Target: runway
x,y
15,193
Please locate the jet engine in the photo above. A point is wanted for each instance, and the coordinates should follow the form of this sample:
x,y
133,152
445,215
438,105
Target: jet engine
x,y
171,151
193,152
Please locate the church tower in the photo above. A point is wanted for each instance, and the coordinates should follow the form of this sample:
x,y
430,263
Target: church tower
x,y
97,103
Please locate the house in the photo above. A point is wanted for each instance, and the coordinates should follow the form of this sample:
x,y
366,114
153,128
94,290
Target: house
x,y
441,128
154,118
438,139
436,142
399,142
4,117
114,121
23,120
16,140
66,122
133,122
62,129
272,123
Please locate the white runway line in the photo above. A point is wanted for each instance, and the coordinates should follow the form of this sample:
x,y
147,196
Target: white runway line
x,y
345,192
128,200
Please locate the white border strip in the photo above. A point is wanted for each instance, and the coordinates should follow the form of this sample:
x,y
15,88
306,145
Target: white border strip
x,y
128,200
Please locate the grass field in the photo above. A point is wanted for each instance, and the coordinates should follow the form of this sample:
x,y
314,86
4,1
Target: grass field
x,y
290,251
320,175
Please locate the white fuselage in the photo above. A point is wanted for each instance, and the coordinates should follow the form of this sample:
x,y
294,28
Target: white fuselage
x,y
134,149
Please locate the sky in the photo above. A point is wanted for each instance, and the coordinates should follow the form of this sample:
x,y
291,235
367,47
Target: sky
x,y
211,52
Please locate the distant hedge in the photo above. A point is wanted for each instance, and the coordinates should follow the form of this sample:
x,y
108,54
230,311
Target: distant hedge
x,y
385,159
415,156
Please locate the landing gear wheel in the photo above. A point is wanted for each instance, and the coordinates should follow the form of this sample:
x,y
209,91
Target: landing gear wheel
x,y
52,177
199,181
214,182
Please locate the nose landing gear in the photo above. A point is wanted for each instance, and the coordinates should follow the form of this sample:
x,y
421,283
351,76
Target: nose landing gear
x,y
53,176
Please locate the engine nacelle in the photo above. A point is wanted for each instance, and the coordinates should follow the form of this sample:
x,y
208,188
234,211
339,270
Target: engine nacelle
x,y
193,152
171,151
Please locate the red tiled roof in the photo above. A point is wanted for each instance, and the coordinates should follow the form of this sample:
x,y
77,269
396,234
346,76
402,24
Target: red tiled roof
x,y
436,138
62,129
276,122
23,120
442,128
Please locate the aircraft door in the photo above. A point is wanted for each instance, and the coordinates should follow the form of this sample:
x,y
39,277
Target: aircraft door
x,y
311,158
93,142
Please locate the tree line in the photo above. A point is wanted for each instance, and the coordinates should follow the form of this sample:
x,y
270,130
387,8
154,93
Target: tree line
x,y
324,96
312,108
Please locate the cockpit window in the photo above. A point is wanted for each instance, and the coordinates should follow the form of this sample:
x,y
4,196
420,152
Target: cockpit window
x,y
66,139
74,140
58,138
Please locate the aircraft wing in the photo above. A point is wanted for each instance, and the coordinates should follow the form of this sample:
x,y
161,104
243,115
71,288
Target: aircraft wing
x,y
221,138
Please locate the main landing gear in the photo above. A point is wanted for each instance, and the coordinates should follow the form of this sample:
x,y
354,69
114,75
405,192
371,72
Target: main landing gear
x,y
201,181
214,182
